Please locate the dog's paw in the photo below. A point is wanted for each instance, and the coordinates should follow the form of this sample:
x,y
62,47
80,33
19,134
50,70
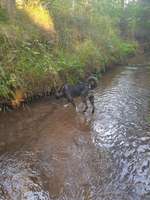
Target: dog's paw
x,y
77,109
66,105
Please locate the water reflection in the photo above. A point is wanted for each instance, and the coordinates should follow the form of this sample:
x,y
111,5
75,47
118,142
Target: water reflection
x,y
52,152
120,126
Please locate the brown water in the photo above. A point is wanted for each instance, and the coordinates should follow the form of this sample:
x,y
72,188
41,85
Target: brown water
x,y
49,151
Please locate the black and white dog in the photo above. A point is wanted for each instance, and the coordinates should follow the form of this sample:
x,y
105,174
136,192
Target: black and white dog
x,y
82,89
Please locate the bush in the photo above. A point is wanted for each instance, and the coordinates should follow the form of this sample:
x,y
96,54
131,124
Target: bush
x,y
45,52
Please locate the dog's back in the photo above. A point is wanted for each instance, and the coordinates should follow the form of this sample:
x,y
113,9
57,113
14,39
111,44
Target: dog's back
x,y
76,90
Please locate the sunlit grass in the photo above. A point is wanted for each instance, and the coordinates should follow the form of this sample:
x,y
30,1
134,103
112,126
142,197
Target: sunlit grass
x,y
18,98
33,60
40,16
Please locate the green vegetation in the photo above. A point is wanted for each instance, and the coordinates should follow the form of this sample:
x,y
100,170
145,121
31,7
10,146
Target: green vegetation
x,y
135,22
48,42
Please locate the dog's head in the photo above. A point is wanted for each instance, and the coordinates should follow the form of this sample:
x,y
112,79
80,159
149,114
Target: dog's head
x,y
92,81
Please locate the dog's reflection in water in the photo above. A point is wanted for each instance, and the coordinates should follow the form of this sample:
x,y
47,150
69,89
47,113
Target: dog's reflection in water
x,y
83,120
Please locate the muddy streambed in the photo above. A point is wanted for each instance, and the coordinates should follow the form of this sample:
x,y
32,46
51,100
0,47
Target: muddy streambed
x,y
49,151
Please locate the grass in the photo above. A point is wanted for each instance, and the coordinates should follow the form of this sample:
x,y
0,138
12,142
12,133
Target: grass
x,y
33,57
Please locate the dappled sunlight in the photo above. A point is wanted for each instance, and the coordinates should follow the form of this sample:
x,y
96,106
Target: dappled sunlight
x,y
40,16
18,98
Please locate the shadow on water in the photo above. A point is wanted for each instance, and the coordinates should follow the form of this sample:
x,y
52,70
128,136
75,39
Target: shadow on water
x,y
51,152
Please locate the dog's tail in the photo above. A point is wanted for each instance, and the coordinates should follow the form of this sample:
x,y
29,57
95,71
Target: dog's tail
x,y
59,93
92,82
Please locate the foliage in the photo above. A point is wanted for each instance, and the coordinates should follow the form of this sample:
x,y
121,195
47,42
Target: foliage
x,y
135,22
50,42
3,16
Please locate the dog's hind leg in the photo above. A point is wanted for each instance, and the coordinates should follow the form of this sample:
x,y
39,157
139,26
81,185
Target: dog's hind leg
x,y
72,102
91,99
70,99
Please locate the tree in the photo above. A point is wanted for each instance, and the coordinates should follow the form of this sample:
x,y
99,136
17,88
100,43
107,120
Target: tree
x,y
10,6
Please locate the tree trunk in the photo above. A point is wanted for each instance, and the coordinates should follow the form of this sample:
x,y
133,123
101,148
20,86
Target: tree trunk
x,y
10,6
122,3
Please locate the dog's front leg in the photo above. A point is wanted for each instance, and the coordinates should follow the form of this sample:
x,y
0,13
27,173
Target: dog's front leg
x,y
91,99
84,100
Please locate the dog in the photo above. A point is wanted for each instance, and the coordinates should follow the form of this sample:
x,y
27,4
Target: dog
x,y
82,89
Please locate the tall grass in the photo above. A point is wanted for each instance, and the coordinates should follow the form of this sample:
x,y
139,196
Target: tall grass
x,y
41,49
